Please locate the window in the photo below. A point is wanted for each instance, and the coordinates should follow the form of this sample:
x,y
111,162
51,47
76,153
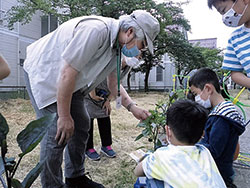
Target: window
x,y
21,61
48,24
159,74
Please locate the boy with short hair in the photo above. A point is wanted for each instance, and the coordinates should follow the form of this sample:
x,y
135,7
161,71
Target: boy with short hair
x,y
224,124
182,164
236,59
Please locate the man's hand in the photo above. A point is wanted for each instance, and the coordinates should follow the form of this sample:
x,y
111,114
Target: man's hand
x,y
139,113
65,129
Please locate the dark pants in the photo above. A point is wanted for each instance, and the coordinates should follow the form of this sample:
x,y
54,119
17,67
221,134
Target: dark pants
x,y
154,183
104,126
51,175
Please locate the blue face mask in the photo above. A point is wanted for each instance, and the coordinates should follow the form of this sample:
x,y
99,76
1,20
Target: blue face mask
x,y
132,52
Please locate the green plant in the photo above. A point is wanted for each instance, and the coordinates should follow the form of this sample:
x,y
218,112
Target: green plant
x,y
154,125
27,140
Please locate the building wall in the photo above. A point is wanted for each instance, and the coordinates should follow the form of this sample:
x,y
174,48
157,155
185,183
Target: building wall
x,y
13,43
166,84
207,43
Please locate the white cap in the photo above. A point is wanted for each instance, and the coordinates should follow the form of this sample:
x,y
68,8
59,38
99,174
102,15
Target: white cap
x,y
148,24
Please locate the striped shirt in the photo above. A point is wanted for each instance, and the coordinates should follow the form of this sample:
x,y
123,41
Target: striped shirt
x,y
227,109
237,56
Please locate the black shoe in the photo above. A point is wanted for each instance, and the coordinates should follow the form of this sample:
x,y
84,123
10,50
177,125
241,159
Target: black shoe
x,y
229,183
82,182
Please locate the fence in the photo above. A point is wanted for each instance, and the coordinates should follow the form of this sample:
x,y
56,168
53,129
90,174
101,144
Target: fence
x,y
13,92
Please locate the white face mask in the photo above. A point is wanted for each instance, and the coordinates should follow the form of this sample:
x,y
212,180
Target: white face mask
x,y
204,103
231,18
132,61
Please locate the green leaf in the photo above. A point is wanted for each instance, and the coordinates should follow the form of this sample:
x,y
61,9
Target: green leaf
x,y
33,174
141,147
146,132
141,124
4,129
30,137
10,163
16,183
139,137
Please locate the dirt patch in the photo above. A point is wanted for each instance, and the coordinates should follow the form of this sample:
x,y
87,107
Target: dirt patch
x,y
117,172
113,173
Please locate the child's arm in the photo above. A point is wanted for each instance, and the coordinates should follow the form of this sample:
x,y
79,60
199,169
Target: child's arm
x,y
4,68
139,170
241,79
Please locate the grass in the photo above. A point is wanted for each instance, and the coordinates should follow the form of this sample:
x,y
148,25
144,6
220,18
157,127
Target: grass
x,y
113,173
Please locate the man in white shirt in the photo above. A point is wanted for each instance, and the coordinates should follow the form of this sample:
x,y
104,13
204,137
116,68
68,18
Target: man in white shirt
x,y
68,63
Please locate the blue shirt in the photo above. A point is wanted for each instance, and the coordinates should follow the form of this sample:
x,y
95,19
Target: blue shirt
x,y
222,131
237,55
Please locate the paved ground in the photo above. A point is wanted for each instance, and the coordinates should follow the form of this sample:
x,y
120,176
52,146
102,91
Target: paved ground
x,y
242,179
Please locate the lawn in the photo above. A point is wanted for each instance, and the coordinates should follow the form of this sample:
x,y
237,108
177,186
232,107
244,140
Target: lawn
x,y
116,172
113,173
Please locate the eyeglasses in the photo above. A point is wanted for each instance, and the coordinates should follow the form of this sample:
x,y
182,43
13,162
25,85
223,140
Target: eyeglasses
x,y
144,45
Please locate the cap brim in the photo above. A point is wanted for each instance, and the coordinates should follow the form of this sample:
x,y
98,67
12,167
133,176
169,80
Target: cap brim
x,y
150,45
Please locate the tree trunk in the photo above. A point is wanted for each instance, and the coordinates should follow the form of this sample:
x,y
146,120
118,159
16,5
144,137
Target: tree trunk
x,y
128,81
146,79
181,80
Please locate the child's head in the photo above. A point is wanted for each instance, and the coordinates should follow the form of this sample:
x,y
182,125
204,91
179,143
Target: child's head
x,y
212,3
185,122
234,12
205,76
204,85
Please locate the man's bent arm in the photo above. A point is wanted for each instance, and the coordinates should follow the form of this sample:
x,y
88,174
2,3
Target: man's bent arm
x,y
66,86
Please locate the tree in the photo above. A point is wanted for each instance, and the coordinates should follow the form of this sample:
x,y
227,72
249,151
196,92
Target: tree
x,y
169,14
66,9
172,22
185,56
213,57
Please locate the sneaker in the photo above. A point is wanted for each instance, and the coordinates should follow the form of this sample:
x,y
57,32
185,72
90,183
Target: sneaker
x,y
108,151
82,182
92,154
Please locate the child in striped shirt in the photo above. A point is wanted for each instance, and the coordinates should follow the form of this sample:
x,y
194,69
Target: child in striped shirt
x,y
224,124
237,56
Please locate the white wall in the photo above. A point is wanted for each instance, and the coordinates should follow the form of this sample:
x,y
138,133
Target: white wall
x,y
165,84
13,44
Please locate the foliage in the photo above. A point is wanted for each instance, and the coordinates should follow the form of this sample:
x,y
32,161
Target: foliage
x,y
168,14
154,125
67,9
170,38
27,140
213,59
